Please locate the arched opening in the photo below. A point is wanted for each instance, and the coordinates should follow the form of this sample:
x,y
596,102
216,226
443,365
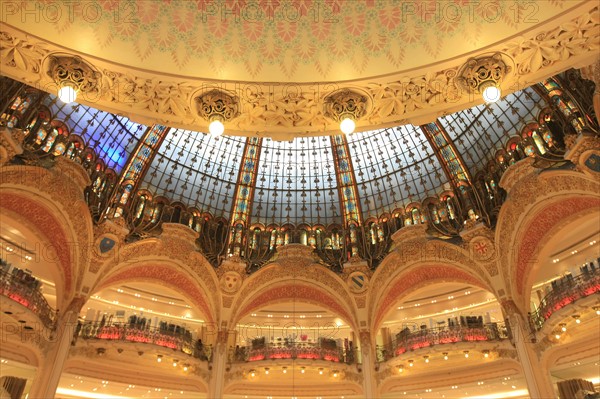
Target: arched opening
x,y
146,329
445,325
292,344
31,276
563,296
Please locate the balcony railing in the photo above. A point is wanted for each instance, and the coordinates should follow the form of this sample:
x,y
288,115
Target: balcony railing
x,y
565,291
427,337
19,290
294,351
178,341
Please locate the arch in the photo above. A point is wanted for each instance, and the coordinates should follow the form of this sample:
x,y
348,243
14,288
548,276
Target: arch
x,y
301,273
46,222
536,204
416,277
161,273
297,292
535,229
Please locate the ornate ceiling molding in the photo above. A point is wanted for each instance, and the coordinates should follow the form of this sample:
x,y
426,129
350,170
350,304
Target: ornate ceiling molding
x,y
286,110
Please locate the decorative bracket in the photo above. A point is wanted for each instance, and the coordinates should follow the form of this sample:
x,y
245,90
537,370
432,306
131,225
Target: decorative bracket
x,y
217,105
75,72
346,103
479,73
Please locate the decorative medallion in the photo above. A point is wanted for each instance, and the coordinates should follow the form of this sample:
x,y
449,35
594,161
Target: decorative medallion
x,y
592,161
358,282
479,73
217,104
346,103
75,72
106,244
231,282
482,249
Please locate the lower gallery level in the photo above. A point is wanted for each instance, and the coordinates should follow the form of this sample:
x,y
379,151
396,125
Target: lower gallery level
x,y
112,286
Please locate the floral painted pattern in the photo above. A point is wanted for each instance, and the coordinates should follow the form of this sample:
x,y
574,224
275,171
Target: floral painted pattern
x,y
291,37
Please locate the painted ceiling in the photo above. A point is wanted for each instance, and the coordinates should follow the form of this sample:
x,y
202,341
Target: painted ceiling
x,y
279,40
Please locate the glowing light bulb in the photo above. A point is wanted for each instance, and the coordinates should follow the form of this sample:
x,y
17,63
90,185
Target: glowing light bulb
x,y
67,94
491,94
216,128
347,125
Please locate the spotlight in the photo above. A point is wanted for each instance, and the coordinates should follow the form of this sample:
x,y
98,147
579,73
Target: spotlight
x,y
426,359
252,373
266,370
302,370
486,354
410,363
321,371
445,355
335,373
466,353
563,327
400,368
175,363
159,358
576,317
284,370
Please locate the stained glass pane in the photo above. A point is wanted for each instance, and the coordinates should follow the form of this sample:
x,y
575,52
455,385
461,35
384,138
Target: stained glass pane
x,y
113,137
196,169
296,183
479,131
394,167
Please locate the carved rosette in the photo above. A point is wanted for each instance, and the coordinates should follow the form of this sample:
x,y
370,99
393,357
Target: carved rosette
x,y
217,105
346,103
75,72
480,73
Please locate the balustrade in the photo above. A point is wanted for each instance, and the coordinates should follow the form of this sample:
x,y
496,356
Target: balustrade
x,y
177,340
427,337
29,295
564,292
293,351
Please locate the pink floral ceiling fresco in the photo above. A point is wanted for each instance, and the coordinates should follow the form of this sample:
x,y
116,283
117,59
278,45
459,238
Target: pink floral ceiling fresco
x,y
278,40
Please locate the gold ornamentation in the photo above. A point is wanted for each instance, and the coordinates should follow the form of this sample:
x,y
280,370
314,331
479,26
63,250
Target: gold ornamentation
x,y
346,103
396,100
75,72
480,73
217,104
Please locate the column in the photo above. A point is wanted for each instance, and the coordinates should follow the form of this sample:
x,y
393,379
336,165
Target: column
x,y
219,365
592,72
538,379
48,374
386,339
368,365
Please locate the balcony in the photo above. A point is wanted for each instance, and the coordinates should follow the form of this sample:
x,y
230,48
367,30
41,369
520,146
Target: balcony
x,y
408,340
566,291
295,351
23,289
179,340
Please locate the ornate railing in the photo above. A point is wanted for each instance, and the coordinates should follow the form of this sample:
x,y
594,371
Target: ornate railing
x,y
294,351
565,291
178,341
427,337
31,297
